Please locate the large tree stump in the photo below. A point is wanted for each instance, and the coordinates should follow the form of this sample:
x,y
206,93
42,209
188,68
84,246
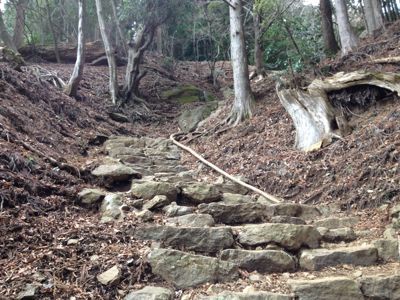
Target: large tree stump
x,y
314,116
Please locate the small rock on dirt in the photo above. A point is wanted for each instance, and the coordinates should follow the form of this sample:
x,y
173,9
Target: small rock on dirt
x,y
110,276
91,196
150,293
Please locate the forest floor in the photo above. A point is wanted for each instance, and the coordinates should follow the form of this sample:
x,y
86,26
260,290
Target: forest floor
x,y
39,211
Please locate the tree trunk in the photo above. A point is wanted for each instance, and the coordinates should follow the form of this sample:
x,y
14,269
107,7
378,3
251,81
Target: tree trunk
x,y
133,74
314,116
71,88
159,40
243,103
258,49
110,53
348,38
118,25
330,43
5,36
53,32
373,16
19,26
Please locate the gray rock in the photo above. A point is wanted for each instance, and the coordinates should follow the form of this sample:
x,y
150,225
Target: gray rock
x,y
91,196
30,292
115,172
174,210
395,211
201,193
192,220
396,223
303,211
111,208
262,261
158,201
330,288
189,238
247,296
317,259
237,213
145,215
390,233
380,287
288,236
189,119
126,141
288,220
334,223
151,293
150,189
337,235
230,198
187,270
110,276
388,250
118,152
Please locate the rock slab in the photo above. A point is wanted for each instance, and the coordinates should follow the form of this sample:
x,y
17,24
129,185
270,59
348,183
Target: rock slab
x,y
151,293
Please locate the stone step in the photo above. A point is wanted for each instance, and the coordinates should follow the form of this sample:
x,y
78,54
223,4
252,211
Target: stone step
x,y
337,235
317,259
262,261
191,220
334,223
247,296
185,270
209,240
288,236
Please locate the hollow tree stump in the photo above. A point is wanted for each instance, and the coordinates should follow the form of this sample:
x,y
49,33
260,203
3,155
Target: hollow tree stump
x,y
315,118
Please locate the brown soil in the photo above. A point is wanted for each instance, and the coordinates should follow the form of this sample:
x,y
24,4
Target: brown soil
x,y
38,210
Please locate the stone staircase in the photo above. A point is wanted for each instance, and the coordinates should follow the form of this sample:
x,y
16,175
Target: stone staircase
x,y
215,234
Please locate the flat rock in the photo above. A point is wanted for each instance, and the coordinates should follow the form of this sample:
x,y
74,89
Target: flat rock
x,y
388,250
236,198
145,215
185,270
317,259
198,193
380,286
151,293
330,288
306,212
119,152
126,141
110,276
334,223
110,208
337,235
116,172
30,292
395,211
192,220
189,238
247,296
288,236
231,213
91,196
150,189
262,261
157,202
174,210
288,220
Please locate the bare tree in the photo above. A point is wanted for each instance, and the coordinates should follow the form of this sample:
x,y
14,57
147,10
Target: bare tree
x,y
71,88
330,44
373,16
5,36
110,53
348,38
53,31
244,99
19,26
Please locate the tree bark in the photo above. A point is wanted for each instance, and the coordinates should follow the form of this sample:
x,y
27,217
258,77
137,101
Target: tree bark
x,y
348,38
330,44
373,16
110,53
118,25
53,32
19,26
258,49
243,103
71,88
5,36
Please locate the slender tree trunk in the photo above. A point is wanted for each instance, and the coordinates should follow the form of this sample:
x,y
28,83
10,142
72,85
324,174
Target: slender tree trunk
x,y
348,38
118,25
71,88
110,53
5,36
159,40
258,49
330,44
373,16
53,32
243,103
19,26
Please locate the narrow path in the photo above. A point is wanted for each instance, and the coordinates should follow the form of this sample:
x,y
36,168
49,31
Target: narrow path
x,y
213,241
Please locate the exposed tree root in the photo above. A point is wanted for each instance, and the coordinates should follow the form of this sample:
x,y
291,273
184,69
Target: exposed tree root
x,y
43,74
